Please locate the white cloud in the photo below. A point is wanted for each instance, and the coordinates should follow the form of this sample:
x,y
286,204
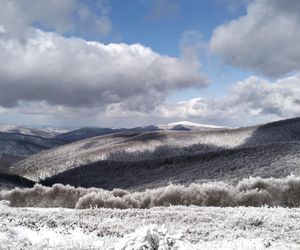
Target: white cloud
x,y
77,73
55,78
265,40
46,74
250,101
40,66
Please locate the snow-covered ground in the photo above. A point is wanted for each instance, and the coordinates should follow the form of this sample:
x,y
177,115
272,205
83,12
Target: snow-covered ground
x,y
177,227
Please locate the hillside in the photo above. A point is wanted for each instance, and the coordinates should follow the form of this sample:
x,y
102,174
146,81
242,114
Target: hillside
x,y
89,132
115,147
24,130
14,147
124,147
18,142
272,160
12,181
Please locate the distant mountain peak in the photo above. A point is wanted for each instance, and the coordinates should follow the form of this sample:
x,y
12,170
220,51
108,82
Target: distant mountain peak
x,y
193,124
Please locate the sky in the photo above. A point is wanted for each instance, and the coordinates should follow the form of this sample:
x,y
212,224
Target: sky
x,y
125,63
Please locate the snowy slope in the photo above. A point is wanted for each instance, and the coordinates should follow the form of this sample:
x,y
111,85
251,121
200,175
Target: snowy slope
x,y
83,133
15,146
273,160
41,132
88,132
190,126
156,145
18,142
117,146
24,145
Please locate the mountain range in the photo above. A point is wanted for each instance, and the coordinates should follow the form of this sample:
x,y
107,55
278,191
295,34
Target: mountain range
x,y
154,156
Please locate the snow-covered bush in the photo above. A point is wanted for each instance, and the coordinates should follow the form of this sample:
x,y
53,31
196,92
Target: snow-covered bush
x,y
39,196
248,192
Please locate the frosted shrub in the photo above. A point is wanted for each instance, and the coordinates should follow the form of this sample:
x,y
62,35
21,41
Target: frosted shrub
x,y
117,192
291,195
106,200
249,192
39,196
218,194
170,195
255,198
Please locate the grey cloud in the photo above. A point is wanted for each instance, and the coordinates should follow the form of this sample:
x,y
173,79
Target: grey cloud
x,y
46,75
77,73
264,40
249,102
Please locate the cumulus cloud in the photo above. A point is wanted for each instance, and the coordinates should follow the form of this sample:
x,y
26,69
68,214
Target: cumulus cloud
x,y
264,40
50,75
50,68
249,101
74,72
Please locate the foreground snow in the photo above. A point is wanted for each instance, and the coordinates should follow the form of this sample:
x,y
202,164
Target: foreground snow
x,y
157,228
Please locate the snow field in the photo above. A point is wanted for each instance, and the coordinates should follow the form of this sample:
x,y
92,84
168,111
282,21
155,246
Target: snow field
x,y
160,228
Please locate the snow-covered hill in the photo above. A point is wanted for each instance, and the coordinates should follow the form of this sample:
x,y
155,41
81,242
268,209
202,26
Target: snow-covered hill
x,y
137,146
24,130
272,160
117,146
189,126
18,142
88,132
24,145
16,146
